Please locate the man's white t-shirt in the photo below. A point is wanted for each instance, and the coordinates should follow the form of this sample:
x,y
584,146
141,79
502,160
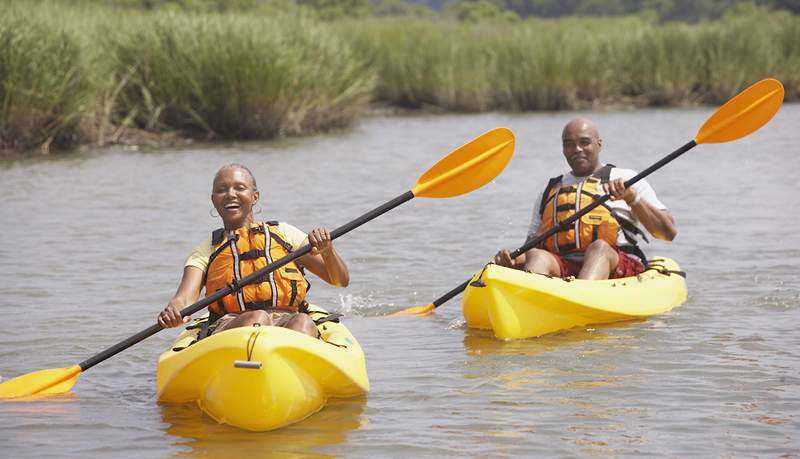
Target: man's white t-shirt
x,y
642,188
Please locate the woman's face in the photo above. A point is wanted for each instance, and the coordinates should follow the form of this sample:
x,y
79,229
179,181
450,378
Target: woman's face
x,y
234,196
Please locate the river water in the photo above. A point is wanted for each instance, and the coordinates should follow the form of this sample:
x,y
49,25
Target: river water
x,y
93,246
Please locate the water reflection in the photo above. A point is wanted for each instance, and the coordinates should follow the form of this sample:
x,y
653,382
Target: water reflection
x,y
483,342
206,438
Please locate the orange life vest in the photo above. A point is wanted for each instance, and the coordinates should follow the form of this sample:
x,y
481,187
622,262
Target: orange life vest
x,y
603,222
244,252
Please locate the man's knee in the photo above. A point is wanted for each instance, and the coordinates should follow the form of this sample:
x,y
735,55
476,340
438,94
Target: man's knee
x,y
600,247
536,255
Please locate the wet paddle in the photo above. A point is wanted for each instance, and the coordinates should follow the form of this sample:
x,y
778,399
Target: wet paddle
x,y
463,170
740,116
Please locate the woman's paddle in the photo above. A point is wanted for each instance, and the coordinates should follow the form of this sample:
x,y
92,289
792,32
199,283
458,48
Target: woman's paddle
x,y
740,116
463,170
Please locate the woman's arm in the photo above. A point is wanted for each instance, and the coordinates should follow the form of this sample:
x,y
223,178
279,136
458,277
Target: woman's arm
x,y
324,260
188,292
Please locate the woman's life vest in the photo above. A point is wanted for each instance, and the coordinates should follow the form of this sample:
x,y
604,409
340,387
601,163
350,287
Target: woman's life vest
x,y
245,251
603,222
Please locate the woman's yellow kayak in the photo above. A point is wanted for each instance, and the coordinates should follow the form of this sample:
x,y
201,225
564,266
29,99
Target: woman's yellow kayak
x,y
517,304
262,378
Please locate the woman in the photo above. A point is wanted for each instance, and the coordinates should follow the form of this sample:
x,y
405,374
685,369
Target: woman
x,y
239,249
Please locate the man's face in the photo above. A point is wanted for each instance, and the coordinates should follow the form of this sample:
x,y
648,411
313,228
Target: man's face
x,y
581,146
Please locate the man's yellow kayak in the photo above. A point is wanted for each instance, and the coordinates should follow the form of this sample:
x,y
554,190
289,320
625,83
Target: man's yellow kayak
x,y
517,304
262,378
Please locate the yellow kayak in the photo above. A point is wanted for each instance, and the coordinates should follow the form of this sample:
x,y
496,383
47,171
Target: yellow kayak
x,y
262,378
517,304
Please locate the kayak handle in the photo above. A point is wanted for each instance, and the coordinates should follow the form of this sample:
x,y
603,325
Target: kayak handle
x,y
247,364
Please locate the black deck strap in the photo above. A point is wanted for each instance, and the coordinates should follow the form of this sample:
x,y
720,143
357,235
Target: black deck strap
x,y
196,324
655,266
479,282
672,271
331,317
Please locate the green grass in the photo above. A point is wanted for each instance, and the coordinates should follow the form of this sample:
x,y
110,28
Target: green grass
x,y
73,74
43,84
238,77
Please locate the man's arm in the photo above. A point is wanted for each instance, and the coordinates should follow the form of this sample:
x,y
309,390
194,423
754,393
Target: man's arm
x,y
658,222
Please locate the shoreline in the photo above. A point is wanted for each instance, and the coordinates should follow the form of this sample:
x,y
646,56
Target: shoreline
x,y
135,139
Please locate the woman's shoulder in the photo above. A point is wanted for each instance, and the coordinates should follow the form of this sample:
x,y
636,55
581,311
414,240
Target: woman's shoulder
x,y
294,235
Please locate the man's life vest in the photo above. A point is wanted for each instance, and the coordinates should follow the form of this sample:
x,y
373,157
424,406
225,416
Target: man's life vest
x,y
244,252
601,223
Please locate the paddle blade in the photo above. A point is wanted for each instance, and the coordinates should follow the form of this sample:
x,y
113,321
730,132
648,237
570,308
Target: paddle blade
x,y
43,382
416,311
744,114
468,167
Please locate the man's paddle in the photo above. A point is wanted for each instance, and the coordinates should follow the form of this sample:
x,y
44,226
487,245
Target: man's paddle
x,y
740,116
463,170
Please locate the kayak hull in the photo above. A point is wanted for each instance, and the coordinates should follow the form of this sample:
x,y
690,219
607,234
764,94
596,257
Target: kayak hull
x,y
517,304
262,378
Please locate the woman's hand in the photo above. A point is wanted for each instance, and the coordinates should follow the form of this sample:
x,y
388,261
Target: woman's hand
x,y
320,241
503,258
171,315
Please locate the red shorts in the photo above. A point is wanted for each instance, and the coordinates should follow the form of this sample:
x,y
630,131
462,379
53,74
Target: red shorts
x,y
628,266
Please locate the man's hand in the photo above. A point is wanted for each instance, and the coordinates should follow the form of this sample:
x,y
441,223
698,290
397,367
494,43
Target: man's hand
x,y
616,188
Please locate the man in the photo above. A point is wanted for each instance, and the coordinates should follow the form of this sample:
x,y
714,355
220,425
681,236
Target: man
x,y
605,245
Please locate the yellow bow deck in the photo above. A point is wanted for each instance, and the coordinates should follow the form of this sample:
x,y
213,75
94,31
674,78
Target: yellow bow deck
x,y
262,378
517,304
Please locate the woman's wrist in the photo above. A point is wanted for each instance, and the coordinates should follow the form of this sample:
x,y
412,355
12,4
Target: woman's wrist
x,y
635,201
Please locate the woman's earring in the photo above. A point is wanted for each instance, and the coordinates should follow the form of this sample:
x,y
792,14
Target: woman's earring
x,y
212,213
259,209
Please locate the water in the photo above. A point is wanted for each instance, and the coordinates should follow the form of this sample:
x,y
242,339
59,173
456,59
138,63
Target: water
x,y
94,244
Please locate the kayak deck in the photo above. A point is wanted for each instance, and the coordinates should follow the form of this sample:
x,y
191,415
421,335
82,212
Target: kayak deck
x,y
262,378
517,304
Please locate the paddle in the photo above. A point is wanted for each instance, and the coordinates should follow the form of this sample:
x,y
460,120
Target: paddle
x,y
740,116
463,170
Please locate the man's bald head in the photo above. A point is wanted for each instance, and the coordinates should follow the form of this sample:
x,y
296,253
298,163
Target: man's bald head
x,y
581,145
581,125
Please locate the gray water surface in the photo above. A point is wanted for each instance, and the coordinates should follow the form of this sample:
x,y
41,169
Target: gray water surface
x,y
93,246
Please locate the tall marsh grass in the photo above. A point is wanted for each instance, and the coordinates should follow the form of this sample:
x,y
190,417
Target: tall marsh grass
x,y
43,85
238,77
77,74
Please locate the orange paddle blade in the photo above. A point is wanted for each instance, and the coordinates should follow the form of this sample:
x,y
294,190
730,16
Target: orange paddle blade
x,y
469,167
744,114
43,382
416,311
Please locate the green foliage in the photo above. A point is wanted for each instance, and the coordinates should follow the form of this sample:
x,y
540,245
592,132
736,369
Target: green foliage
x,y
79,72
239,77
43,87
475,11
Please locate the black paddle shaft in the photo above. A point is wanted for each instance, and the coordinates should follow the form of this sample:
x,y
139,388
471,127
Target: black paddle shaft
x,y
562,225
249,279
